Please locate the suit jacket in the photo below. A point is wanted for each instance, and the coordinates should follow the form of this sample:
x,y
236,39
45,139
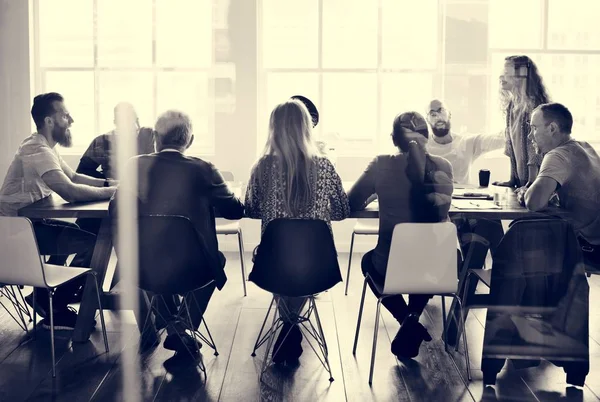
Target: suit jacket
x,y
175,184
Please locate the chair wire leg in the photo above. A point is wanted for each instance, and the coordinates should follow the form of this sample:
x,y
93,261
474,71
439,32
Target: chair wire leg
x,y
360,311
466,346
258,342
209,341
349,263
193,330
34,316
270,342
241,247
101,313
444,324
322,335
50,295
374,341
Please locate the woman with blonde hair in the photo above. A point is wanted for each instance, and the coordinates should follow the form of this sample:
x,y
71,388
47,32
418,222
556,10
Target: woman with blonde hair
x,y
522,90
293,180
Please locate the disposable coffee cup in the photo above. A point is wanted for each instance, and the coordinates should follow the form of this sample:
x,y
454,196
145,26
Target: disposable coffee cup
x,y
484,177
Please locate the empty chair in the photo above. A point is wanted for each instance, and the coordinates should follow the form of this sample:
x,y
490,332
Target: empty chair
x,y
22,265
362,227
296,258
176,269
422,260
225,227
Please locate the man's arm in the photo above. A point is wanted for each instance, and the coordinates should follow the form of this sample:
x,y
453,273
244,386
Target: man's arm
x,y
222,197
483,143
61,184
536,198
363,190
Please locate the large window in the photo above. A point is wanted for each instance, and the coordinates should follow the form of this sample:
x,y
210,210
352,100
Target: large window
x,y
360,61
156,54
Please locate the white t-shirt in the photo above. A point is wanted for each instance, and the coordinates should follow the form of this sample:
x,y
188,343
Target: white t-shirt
x,y
23,184
464,150
578,193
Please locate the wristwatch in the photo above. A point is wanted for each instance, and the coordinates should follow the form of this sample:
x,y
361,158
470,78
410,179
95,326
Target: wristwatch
x,y
106,183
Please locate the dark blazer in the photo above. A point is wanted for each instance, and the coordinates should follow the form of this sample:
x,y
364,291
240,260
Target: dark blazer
x,y
175,184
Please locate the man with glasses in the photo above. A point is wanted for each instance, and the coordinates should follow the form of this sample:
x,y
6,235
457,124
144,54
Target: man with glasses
x,y
36,172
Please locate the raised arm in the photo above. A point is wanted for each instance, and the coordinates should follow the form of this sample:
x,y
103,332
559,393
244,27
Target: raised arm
x,y
483,143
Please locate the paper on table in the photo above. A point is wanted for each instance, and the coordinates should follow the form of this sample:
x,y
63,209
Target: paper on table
x,y
474,204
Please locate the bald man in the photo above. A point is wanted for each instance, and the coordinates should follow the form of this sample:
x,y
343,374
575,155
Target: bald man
x,y
101,150
460,150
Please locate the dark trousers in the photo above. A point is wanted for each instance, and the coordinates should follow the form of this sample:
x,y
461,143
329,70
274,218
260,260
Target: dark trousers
x,y
197,302
59,239
394,304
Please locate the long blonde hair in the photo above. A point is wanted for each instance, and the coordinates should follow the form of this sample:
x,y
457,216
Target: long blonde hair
x,y
290,143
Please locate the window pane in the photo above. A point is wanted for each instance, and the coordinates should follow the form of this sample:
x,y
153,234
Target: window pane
x,y
189,93
290,30
282,86
410,34
403,93
574,80
184,33
77,87
350,34
124,33
349,105
573,25
466,33
115,87
516,24
66,44
465,96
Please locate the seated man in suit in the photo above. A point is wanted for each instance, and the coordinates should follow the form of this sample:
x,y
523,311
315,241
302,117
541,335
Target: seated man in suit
x,y
172,183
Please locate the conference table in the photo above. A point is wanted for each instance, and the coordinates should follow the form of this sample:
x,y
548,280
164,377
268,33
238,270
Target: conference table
x,y
57,208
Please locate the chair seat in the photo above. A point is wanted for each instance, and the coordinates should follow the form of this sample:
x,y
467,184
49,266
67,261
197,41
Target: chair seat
x,y
484,275
365,228
228,227
56,275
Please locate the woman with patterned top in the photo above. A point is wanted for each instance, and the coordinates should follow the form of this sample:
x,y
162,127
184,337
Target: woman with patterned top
x,y
293,180
412,187
522,90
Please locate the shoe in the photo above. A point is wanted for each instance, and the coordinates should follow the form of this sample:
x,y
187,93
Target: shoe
x,y
182,342
290,350
38,309
64,320
408,340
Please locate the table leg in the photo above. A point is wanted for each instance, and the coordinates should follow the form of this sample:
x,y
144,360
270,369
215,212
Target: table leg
x,y
99,264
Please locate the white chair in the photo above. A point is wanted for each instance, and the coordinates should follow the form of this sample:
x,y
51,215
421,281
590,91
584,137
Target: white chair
x,y
225,227
22,265
422,260
362,227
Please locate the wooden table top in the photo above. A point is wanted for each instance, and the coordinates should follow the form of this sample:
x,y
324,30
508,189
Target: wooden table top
x,y
55,207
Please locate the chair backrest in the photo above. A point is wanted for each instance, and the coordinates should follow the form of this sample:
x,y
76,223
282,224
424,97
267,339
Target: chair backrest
x,y
422,259
296,257
20,261
534,263
172,255
227,176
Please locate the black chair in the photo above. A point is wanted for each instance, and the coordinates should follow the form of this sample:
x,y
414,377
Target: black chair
x,y
538,305
296,258
173,262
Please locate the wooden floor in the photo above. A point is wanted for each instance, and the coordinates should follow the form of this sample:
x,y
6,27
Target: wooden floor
x,y
85,372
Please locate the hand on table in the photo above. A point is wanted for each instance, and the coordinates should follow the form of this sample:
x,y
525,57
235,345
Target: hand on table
x,y
520,192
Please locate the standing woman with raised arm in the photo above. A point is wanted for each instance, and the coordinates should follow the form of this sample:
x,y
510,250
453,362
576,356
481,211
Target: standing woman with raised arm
x,y
522,90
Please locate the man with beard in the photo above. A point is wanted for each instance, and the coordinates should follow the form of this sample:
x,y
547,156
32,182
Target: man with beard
x,y
461,151
36,172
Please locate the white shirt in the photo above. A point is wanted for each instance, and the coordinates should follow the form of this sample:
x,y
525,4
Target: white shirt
x,y
463,150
